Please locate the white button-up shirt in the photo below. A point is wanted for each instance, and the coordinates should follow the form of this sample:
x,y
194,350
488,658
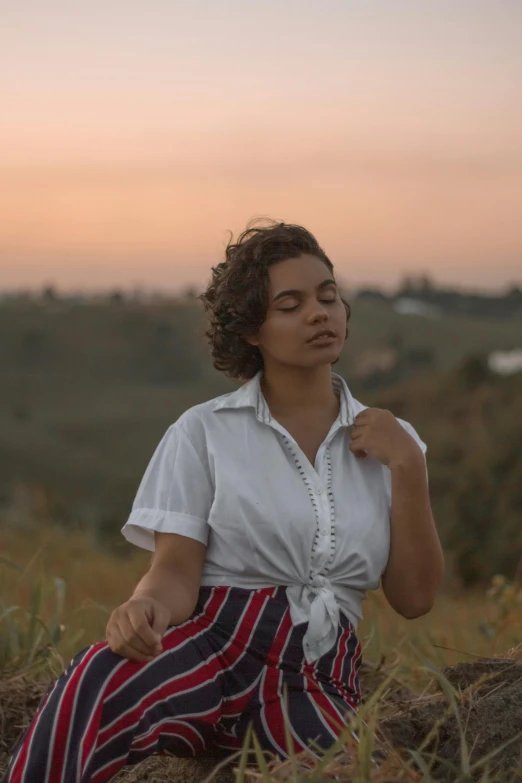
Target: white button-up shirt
x,y
229,475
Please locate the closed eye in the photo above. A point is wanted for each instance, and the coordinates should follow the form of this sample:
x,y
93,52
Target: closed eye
x,y
290,309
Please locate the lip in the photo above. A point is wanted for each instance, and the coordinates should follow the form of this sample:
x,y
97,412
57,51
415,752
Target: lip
x,y
324,337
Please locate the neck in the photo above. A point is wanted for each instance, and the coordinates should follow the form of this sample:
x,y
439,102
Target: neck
x,y
296,389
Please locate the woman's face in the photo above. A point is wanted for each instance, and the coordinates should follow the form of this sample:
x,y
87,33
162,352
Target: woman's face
x,y
303,299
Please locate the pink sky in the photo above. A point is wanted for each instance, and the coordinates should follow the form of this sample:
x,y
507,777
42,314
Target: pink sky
x,y
134,135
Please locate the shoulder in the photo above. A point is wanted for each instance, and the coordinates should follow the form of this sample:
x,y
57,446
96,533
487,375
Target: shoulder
x,y
413,432
358,407
197,423
200,415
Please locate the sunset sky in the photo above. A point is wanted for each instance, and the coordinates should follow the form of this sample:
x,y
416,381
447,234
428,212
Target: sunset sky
x,y
134,135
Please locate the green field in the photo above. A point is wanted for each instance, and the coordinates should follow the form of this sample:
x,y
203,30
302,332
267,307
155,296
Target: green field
x,y
87,390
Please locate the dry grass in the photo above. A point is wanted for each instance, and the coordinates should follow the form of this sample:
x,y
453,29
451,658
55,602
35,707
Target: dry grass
x,y
51,606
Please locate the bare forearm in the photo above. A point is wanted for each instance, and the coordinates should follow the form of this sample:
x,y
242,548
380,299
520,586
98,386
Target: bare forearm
x,y
416,564
172,589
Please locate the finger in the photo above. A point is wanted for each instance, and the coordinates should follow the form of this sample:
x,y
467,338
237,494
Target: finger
x,y
356,449
120,647
160,621
129,637
141,627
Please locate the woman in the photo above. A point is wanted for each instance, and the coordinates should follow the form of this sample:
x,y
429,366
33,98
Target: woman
x,y
270,510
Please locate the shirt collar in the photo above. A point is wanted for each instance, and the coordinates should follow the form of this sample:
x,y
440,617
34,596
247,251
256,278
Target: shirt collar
x,y
249,395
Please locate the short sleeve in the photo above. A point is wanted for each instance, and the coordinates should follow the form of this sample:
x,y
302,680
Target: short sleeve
x,y
387,473
414,434
175,494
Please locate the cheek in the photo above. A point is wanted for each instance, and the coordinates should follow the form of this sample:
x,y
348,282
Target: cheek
x,y
280,332
341,318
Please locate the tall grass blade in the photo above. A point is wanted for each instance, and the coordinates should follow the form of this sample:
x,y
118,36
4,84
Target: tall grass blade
x,y
243,761
450,694
261,761
9,564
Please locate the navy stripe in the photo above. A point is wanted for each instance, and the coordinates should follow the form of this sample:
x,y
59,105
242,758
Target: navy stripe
x,y
171,706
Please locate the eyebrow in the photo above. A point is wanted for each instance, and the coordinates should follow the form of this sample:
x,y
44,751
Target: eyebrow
x,y
297,291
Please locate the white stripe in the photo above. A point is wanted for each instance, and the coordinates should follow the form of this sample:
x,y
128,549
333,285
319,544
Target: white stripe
x,y
343,659
262,716
15,758
167,652
342,719
339,637
171,720
293,732
101,690
71,723
262,695
58,714
109,764
326,697
173,679
180,676
171,734
354,670
240,695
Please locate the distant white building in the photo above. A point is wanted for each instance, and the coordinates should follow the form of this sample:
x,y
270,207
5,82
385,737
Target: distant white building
x,y
407,305
506,362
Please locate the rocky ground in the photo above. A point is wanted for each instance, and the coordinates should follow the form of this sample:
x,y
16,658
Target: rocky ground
x,y
483,705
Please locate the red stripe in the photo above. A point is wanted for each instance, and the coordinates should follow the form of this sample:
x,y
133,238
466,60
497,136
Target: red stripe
x,y
174,728
333,718
353,663
342,648
271,696
236,705
172,639
19,766
275,715
280,640
186,682
93,732
63,719
108,773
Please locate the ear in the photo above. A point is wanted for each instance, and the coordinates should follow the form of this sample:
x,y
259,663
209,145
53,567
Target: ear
x,y
252,340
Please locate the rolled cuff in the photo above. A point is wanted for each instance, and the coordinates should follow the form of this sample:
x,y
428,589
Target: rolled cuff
x,y
142,522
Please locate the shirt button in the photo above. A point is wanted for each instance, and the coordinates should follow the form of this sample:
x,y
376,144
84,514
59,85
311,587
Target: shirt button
x,y
319,490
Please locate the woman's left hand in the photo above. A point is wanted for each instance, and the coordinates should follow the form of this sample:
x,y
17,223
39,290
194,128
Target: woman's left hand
x,y
377,433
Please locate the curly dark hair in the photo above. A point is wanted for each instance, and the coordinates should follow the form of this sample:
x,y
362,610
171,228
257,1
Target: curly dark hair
x,y
236,298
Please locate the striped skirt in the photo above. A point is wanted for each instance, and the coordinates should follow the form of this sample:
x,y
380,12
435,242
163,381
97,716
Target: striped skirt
x,y
237,660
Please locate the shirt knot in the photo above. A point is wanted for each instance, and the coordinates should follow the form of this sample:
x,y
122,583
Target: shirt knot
x,y
323,621
319,582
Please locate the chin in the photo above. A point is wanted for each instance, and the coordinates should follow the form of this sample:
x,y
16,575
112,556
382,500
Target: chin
x,y
324,357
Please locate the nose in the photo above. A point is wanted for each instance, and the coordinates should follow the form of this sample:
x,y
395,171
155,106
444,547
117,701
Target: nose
x,y
318,313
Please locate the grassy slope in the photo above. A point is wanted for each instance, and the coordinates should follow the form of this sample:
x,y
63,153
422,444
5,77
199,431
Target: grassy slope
x,y
87,391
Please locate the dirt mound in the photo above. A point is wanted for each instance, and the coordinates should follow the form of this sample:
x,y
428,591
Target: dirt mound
x,y
488,700
19,700
487,695
173,770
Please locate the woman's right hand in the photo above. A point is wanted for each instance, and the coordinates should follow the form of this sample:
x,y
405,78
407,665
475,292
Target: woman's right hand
x,y
135,628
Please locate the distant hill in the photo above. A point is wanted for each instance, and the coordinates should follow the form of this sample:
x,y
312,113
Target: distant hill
x,y
88,389
471,420
447,301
